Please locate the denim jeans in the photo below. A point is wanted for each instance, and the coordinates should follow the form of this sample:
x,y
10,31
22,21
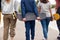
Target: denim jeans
x,y
30,25
45,23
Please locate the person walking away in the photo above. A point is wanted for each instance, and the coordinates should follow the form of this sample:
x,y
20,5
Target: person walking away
x,y
29,6
58,11
9,7
45,7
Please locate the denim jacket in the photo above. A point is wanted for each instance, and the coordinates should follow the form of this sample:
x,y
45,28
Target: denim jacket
x,y
28,6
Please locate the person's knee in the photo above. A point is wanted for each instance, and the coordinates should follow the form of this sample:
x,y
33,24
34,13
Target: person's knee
x,y
45,30
12,33
27,32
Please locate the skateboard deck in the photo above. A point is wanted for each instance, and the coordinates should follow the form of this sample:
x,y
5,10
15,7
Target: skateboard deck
x,y
31,16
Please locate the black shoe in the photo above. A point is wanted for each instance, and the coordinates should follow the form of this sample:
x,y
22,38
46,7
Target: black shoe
x,y
58,37
32,39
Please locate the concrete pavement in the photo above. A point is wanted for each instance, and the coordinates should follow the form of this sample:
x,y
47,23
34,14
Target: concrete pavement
x,y
20,32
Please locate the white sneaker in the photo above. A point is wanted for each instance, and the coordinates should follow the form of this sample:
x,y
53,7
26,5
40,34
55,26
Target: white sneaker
x,y
44,39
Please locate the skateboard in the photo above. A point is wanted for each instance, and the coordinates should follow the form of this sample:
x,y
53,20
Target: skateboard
x,y
31,16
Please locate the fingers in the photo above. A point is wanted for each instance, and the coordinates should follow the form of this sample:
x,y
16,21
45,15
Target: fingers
x,y
24,19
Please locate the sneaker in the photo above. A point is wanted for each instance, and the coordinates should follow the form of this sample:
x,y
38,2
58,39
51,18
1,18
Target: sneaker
x,y
32,39
44,39
58,37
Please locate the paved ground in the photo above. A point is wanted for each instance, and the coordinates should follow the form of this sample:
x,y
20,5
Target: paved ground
x,y
20,32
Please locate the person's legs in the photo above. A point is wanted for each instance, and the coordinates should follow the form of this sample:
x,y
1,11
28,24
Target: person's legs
x,y
43,22
47,23
58,22
58,25
6,27
12,26
32,29
27,27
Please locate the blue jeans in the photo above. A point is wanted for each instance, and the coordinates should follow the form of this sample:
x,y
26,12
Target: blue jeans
x,y
45,23
30,25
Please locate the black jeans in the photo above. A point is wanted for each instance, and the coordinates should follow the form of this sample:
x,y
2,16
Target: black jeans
x,y
58,21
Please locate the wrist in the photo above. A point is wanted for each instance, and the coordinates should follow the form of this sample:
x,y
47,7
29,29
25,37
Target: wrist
x,y
15,11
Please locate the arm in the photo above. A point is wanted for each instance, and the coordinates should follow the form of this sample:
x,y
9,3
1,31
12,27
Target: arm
x,y
50,8
39,7
57,3
23,9
51,13
35,9
16,6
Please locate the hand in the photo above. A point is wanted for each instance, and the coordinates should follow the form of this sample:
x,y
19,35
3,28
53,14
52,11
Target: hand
x,y
15,11
51,18
38,18
24,19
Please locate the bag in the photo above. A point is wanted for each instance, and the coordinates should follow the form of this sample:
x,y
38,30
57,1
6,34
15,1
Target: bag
x,y
56,16
31,16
